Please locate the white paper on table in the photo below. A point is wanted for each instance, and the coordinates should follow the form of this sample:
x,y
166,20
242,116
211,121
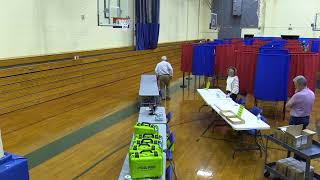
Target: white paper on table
x,y
1,146
228,114
235,119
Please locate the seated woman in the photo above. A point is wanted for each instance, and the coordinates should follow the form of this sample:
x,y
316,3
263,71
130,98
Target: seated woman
x,y
232,83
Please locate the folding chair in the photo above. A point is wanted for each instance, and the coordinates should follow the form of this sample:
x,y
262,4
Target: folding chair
x,y
169,117
169,173
169,153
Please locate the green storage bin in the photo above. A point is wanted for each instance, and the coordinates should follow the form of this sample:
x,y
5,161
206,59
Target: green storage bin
x,y
151,141
144,146
146,164
145,128
149,135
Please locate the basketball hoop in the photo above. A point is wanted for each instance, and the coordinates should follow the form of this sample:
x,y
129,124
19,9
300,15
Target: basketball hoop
x,y
121,22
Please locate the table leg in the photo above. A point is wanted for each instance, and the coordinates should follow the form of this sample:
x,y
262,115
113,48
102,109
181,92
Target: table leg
x,y
241,147
288,154
189,77
307,173
266,153
183,79
284,110
204,105
195,83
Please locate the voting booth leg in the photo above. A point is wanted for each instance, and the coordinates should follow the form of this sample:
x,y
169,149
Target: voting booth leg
x,y
195,83
183,78
284,110
189,77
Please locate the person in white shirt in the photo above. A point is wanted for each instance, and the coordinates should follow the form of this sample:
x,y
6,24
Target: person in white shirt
x,y
164,72
232,83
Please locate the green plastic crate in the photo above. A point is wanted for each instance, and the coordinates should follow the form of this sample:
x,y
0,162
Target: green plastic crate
x,y
146,128
146,164
144,146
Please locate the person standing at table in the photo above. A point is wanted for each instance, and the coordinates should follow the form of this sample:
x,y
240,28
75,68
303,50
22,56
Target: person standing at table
x,y
232,87
164,72
301,103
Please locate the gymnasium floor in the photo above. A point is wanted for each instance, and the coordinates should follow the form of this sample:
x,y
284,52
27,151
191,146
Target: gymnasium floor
x,y
101,156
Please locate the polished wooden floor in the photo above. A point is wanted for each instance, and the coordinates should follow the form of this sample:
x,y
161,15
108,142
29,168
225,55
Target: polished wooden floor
x,y
101,156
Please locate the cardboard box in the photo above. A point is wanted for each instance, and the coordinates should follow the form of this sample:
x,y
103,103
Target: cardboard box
x,y
280,135
281,166
294,136
293,169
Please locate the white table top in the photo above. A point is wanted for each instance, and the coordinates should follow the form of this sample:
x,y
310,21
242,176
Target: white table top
x,y
218,104
148,86
209,95
125,167
145,117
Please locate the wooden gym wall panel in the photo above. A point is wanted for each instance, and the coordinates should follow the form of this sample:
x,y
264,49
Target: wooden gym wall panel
x,y
42,79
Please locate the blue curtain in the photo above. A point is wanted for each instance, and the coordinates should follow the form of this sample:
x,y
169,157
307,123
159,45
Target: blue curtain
x,y
272,77
147,24
203,60
198,60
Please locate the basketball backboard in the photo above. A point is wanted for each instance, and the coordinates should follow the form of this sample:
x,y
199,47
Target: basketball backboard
x,y
214,21
112,12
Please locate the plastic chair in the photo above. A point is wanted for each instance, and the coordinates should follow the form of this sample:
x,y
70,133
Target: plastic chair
x,y
256,110
241,101
169,117
170,148
169,173
170,142
168,129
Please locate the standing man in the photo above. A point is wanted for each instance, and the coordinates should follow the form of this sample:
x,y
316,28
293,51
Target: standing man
x,y
164,74
301,103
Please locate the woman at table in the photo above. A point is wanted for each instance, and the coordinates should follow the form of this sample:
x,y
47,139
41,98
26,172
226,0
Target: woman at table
x,y
232,87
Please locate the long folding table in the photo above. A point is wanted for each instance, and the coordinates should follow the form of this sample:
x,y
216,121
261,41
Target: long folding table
x,y
218,101
149,91
145,117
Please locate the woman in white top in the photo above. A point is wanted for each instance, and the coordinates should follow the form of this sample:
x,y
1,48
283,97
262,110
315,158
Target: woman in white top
x,y
232,83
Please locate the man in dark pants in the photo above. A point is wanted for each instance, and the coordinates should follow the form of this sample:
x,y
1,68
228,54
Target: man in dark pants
x,y
164,72
301,103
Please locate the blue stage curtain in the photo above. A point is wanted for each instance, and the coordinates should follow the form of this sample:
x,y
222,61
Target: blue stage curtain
x,y
147,24
272,77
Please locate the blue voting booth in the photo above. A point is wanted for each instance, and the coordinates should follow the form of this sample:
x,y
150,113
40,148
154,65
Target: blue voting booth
x,y
203,60
13,167
272,75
